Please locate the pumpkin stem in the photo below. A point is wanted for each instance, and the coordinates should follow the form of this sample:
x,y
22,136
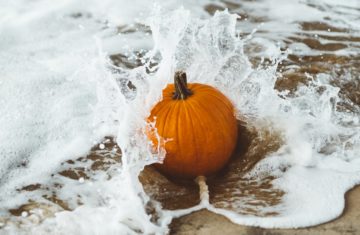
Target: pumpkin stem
x,y
181,89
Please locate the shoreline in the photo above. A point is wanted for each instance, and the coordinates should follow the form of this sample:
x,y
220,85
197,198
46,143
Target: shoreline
x,y
206,222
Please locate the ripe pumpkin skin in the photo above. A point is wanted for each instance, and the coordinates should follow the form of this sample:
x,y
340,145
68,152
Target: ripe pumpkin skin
x,y
202,129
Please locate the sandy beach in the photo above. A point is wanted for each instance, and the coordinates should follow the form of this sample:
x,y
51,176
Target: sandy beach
x,y
205,222
79,85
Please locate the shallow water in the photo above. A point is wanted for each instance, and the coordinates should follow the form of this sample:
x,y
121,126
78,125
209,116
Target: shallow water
x,y
78,79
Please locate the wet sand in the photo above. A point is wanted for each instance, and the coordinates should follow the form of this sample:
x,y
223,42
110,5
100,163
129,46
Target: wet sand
x,y
205,222
173,196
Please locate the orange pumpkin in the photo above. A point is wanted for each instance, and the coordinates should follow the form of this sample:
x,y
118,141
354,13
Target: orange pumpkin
x,y
199,126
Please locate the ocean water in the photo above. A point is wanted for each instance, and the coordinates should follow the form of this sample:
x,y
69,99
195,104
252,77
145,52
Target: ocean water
x,y
78,79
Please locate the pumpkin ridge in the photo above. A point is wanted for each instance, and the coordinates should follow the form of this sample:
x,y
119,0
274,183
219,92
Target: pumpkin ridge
x,y
196,107
228,104
157,110
178,135
217,118
206,108
155,113
204,90
169,134
167,117
224,116
194,140
220,107
161,119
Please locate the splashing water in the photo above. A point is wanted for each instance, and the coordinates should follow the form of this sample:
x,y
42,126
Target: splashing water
x,y
60,95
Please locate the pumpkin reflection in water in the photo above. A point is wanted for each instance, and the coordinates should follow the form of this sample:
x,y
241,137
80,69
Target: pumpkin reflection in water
x,y
200,127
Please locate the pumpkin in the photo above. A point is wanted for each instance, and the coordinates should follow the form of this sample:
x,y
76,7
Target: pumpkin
x,y
199,127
